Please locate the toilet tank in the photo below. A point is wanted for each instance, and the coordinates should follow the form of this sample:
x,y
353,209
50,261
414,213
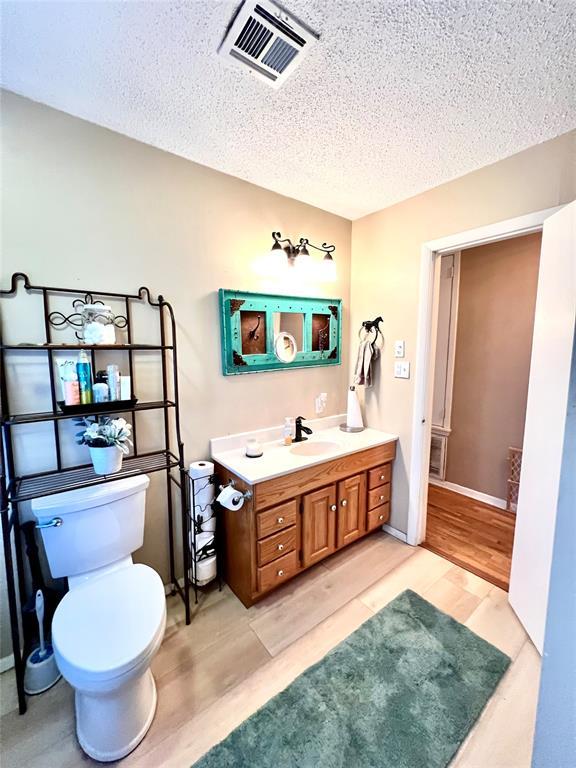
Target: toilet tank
x,y
100,525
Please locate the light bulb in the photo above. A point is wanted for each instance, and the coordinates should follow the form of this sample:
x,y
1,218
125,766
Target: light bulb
x,y
328,269
302,260
277,259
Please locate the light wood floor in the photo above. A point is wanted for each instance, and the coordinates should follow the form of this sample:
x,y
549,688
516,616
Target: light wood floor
x,y
477,536
230,661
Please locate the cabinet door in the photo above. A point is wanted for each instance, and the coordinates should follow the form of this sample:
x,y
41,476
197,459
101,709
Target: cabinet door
x,y
318,525
351,509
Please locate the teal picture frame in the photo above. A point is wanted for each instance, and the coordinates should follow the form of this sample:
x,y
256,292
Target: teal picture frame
x,y
235,360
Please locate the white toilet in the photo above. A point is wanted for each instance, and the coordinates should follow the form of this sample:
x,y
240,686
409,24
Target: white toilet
x,y
108,627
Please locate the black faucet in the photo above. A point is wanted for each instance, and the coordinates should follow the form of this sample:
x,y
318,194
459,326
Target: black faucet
x,y
301,428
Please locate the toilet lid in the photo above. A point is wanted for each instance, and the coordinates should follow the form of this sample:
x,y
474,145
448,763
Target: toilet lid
x,y
105,626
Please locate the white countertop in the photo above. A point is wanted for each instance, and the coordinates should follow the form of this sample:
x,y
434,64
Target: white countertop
x,y
278,459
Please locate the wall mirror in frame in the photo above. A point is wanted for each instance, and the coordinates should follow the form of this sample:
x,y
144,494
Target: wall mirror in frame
x,y
265,332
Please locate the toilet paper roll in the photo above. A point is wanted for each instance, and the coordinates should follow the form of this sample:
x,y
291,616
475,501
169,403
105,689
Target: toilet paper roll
x,y
200,469
202,492
204,571
202,540
208,524
230,498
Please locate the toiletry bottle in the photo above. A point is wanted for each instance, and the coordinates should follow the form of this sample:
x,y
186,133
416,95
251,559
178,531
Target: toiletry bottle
x,y
288,431
100,392
125,387
102,377
70,385
113,381
84,371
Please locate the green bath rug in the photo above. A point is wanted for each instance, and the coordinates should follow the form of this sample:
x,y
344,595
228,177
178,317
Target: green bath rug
x,y
402,691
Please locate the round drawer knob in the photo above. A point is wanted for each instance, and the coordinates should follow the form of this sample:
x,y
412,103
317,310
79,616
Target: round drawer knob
x,y
381,498
381,517
333,507
280,547
280,520
381,477
280,572
344,503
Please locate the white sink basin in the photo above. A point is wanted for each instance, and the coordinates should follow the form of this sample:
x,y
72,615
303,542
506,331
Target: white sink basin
x,y
314,448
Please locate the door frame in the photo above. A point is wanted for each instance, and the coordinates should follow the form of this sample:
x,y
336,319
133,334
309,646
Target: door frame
x,y
445,427
426,348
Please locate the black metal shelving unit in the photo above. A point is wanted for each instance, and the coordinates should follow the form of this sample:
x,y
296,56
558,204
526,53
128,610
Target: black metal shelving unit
x,y
169,458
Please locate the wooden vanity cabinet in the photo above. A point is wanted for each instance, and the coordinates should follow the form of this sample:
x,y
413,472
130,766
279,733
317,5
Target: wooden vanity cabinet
x,y
318,525
296,520
333,517
351,509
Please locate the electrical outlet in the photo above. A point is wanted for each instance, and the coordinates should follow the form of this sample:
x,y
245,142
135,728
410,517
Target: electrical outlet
x,y
402,370
399,347
320,403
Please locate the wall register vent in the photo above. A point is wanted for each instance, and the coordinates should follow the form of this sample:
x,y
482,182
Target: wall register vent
x,y
267,40
438,449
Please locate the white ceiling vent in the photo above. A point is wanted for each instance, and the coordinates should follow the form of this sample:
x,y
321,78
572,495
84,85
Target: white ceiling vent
x,y
267,40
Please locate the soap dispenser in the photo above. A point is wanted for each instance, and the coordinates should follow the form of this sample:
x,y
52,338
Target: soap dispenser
x,y
288,430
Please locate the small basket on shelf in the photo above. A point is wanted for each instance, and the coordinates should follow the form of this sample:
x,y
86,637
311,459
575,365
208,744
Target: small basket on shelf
x,y
515,466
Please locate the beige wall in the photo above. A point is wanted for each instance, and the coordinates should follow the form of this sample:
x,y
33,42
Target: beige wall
x,y
83,202
497,299
86,207
386,266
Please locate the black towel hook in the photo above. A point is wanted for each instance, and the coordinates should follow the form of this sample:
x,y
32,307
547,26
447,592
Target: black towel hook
x,y
373,325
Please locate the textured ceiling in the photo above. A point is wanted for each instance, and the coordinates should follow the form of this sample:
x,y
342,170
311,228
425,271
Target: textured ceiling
x,y
397,97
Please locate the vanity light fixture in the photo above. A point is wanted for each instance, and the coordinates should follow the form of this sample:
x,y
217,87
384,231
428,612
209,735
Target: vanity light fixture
x,y
328,268
298,255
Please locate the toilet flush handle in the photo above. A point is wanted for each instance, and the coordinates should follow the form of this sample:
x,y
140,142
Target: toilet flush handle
x,y
56,522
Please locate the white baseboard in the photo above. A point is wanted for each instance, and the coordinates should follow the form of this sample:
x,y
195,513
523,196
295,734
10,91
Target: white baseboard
x,y
168,587
6,663
492,500
395,532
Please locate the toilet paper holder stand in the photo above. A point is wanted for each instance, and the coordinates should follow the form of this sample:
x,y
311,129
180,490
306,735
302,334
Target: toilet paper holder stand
x,y
246,494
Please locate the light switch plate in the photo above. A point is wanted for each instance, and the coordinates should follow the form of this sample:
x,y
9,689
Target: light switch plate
x,y
399,347
402,370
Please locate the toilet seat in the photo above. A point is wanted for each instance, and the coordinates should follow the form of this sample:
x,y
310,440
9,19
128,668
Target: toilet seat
x,y
108,626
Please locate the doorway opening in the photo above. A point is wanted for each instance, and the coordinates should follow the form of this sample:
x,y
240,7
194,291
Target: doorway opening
x,y
546,406
486,299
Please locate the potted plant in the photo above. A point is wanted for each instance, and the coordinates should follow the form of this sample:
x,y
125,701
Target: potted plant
x,y
107,440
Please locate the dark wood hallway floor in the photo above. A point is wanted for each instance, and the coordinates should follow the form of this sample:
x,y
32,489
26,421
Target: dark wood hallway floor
x,y
471,534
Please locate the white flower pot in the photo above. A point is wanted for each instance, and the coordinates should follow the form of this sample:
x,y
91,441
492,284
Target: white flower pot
x,y
107,460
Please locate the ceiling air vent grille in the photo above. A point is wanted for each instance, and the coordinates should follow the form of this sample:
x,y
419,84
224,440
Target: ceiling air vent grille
x,y
279,55
253,38
266,40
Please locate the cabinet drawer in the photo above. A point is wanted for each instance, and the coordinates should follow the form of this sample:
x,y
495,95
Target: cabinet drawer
x,y
378,496
275,573
379,476
276,546
276,519
378,516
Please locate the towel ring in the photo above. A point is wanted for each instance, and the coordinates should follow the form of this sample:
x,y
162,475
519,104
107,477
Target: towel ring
x,y
371,326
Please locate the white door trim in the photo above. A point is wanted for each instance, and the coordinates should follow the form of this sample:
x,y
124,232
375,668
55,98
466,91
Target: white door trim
x,y
425,349
452,342
448,353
